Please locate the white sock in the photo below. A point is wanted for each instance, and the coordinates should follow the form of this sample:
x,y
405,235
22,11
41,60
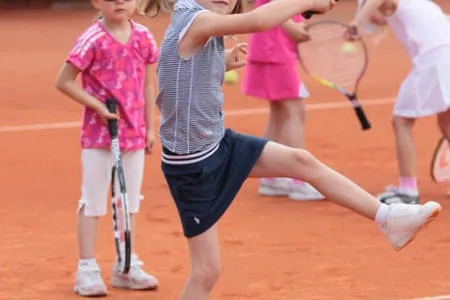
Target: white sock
x,y
381,216
87,263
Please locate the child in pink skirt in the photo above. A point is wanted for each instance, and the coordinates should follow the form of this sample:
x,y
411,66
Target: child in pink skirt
x,y
271,74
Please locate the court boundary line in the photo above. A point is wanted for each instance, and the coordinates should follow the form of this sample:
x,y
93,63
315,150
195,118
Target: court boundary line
x,y
439,297
229,113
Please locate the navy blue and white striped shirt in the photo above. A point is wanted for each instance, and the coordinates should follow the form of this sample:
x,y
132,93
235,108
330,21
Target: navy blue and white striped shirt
x,y
190,95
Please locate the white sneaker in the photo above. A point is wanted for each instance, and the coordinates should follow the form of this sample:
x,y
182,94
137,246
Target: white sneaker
x,y
393,194
274,186
304,192
404,221
89,282
135,279
290,188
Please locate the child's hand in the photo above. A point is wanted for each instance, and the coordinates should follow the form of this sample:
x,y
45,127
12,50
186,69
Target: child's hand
x,y
296,32
149,142
352,33
303,35
104,113
322,6
232,59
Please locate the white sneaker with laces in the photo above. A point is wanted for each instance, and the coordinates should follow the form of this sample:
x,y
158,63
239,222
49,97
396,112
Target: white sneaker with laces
x,y
404,221
274,187
304,192
136,279
88,281
290,188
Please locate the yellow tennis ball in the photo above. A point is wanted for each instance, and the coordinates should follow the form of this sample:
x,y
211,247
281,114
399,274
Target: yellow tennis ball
x,y
348,48
231,77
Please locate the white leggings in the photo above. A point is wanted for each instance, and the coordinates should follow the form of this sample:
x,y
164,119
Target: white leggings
x,y
96,180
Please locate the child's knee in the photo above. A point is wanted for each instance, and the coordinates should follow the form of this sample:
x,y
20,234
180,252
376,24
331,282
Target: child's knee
x,y
303,157
402,123
91,208
207,274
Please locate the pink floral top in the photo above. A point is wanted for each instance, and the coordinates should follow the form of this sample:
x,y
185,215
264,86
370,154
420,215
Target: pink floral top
x,y
110,69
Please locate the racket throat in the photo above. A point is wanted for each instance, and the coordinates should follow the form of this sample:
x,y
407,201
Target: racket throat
x,y
354,99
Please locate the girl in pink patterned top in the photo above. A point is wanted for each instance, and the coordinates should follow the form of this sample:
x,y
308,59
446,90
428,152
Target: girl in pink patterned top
x,y
271,74
115,57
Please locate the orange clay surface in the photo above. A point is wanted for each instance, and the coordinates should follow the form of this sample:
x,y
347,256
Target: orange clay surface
x,y
272,248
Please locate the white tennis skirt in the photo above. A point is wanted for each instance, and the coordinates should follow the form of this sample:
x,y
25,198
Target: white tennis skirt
x,y
426,90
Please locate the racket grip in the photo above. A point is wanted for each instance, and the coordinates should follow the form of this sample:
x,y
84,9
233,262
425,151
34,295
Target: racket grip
x,y
308,14
362,118
111,104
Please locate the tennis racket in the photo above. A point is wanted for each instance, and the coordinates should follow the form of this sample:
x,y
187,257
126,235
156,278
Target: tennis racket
x,y
334,61
120,214
440,164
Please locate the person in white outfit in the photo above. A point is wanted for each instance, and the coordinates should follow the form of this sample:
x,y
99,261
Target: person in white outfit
x,y
423,29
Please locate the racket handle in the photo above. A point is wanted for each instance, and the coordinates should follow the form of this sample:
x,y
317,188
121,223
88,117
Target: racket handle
x,y
362,118
111,104
308,14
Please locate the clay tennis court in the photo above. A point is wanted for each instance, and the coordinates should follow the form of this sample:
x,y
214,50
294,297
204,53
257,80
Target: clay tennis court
x,y
272,248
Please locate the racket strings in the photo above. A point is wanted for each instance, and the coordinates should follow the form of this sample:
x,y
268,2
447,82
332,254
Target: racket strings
x,y
328,55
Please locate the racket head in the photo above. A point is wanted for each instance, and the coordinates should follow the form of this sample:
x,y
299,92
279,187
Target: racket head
x,y
120,212
121,222
322,57
440,163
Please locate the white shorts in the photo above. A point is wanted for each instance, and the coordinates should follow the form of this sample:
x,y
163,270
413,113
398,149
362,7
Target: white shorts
x,y
426,90
96,180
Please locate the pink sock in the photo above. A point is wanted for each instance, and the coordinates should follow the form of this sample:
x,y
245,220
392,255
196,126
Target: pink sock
x,y
408,185
299,182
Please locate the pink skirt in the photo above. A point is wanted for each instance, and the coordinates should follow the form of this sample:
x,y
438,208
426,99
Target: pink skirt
x,y
273,82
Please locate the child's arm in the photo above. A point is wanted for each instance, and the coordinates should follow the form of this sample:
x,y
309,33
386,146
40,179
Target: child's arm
x,y
209,24
149,108
67,85
363,17
295,31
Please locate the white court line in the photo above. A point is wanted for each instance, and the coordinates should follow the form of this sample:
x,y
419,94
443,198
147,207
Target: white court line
x,y
229,113
441,297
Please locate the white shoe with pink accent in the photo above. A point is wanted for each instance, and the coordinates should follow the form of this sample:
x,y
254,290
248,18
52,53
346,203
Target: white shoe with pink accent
x,y
136,279
295,190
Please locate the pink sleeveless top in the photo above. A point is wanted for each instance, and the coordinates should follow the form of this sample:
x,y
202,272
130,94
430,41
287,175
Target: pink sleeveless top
x,y
273,45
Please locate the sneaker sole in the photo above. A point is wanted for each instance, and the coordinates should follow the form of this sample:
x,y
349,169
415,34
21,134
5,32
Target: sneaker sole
x,y
432,216
293,196
263,191
118,284
92,295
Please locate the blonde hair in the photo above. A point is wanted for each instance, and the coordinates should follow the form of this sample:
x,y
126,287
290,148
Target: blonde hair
x,y
154,7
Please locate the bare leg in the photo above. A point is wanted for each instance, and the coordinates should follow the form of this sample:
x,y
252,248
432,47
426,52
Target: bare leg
x,y
87,233
406,151
286,123
206,266
444,124
280,160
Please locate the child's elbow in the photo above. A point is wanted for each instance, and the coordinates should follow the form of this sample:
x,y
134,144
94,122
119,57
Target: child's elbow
x,y
61,84
259,24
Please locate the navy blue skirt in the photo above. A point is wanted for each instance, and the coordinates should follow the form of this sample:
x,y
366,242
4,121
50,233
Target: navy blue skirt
x,y
204,190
